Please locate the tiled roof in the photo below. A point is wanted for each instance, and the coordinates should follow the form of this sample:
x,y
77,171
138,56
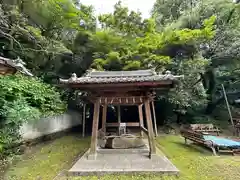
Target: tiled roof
x,y
18,64
106,77
114,74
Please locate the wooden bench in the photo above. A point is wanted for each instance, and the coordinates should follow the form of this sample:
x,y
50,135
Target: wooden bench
x,y
198,138
237,127
207,128
236,122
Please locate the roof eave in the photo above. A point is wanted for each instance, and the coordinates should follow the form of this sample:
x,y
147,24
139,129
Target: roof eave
x,y
18,66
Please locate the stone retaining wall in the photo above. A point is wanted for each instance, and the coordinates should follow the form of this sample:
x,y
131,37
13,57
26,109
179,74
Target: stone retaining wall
x,y
50,125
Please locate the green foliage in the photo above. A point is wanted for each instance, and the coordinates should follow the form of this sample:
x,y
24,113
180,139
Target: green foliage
x,y
121,48
220,50
125,22
189,95
168,11
195,38
24,99
42,32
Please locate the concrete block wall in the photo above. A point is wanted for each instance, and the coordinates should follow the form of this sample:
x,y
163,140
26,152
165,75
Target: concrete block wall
x,y
45,126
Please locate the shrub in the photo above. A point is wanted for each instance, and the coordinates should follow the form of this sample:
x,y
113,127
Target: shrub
x,y
24,99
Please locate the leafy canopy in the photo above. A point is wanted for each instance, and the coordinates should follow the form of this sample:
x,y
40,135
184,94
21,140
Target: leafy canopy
x,y
24,99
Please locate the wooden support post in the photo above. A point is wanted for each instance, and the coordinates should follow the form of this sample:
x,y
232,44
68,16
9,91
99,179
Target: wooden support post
x,y
93,146
140,113
104,118
150,129
83,120
119,113
119,118
154,119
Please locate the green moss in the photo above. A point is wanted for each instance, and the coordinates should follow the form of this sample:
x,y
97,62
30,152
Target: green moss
x,y
193,162
50,159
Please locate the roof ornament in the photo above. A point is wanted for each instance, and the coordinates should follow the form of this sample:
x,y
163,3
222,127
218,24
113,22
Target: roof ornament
x,y
168,72
19,61
169,75
154,71
89,71
73,77
19,65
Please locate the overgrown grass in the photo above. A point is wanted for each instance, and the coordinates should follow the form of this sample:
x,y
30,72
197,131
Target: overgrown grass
x,y
194,162
49,160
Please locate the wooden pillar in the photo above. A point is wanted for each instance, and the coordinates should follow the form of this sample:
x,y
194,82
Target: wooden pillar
x,y
119,117
83,120
119,113
140,113
104,118
154,118
93,146
150,129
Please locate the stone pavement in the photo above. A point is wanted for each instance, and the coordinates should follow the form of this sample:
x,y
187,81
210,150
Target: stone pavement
x,y
113,161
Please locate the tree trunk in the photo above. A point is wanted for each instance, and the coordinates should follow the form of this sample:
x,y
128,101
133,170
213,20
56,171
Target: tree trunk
x,y
210,86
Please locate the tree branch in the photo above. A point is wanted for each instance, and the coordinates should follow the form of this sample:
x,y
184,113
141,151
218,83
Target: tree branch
x,y
10,37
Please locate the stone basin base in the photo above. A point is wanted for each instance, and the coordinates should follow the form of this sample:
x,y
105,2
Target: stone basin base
x,y
117,161
123,142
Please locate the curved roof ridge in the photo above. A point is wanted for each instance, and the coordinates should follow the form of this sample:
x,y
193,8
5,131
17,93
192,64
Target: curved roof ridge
x,y
135,73
98,78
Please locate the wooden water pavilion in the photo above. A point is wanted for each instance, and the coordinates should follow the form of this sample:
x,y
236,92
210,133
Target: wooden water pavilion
x,y
121,88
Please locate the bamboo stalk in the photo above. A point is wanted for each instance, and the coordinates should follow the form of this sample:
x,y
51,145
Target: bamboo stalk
x,y
228,107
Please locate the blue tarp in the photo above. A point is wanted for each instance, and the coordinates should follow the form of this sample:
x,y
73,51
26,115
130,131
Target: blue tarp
x,y
222,141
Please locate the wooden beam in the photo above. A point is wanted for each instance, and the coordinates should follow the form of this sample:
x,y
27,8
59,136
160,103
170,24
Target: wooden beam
x,y
123,104
93,146
128,124
83,120
104,118
120,100
154,118
144,129
117,96
150,129
140,113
